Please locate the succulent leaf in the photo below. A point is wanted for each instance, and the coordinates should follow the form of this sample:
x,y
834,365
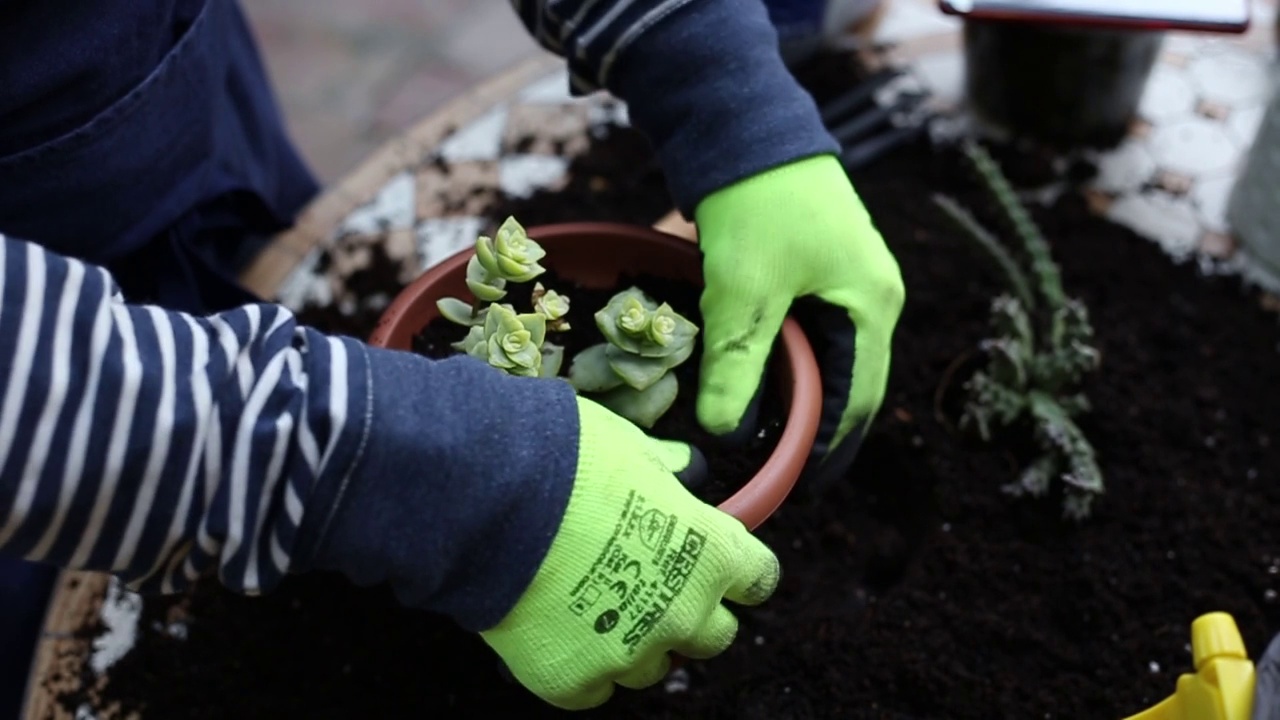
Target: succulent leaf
x,y
514,342
552,360
591,372
457,311
551,305
643,407
636,371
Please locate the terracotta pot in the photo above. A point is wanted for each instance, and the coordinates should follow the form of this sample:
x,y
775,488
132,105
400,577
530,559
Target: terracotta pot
x,y
1058,84
595,255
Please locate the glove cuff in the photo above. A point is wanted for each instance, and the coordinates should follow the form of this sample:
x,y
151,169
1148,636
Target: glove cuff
x,y
465,478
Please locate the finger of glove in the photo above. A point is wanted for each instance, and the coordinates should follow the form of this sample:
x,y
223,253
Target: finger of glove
x,y
712,638
833,336
684,461
647,672
741,318
593,695
755,572
853,352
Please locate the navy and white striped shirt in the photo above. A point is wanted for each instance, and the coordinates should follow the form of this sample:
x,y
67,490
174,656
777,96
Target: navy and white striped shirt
x,y
162,446
158,445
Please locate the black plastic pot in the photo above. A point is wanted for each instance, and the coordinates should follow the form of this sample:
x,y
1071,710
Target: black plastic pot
x,y
1060,85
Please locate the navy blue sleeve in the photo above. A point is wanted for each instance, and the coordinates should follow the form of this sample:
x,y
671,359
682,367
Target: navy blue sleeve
x,y
160,446
703,79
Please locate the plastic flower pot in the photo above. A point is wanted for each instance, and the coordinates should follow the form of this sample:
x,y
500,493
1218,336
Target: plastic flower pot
x,y
1061,85
1253,210
595,255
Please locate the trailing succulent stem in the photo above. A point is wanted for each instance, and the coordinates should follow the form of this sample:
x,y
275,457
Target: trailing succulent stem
x,y
630,372
509,257
496,333
508,341
1040,352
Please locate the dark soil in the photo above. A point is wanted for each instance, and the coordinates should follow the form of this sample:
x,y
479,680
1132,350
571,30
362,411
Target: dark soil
x,y
915,589
730,466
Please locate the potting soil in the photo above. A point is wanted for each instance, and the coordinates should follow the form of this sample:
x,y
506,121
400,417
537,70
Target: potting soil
x,y
914,589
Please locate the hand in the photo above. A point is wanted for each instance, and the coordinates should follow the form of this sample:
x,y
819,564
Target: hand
x,y
797,232
638,569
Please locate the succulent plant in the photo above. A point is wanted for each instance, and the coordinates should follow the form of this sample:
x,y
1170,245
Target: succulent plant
x,y
630,373
1040,351
509,257
553,306
509,341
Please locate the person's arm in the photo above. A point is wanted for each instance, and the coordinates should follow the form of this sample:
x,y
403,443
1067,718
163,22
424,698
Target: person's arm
x,y
160,446
748,159
702,79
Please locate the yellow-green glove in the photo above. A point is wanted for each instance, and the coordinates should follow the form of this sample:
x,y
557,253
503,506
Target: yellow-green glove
x,y
798,232
638,569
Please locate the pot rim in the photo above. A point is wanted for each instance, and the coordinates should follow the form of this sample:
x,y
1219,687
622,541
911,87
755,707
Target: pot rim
x,y
765,492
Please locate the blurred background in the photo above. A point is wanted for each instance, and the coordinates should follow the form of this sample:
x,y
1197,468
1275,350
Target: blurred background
x,y
352,73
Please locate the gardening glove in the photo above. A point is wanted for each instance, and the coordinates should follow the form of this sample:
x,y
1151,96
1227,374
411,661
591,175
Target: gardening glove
x,y
796,234
637,569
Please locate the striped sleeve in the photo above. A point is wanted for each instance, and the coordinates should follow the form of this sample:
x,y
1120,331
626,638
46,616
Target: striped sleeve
x,y
591,34
160,446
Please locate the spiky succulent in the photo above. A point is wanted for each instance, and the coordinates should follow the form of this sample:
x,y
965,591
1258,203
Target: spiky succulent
x,y
1040,352
630,373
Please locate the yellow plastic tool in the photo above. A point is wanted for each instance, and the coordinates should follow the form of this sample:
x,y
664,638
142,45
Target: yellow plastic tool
x,y
1221,687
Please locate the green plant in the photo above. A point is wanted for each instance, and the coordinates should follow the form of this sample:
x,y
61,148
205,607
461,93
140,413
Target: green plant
x,y
511,341
1040,353
631,372
509,257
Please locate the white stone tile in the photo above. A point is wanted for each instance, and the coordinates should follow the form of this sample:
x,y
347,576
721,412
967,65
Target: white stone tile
x,y
442,238
1183,43
908,20
1243,123
304,286
1125,169
1168,221
1195,147
120,612
550,90
1230,77
943,73
1168,95
1209,197
391,209
521,175
480,139
607,110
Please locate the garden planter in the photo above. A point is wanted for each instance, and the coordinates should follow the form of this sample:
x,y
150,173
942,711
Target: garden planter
x,y
915,588
596,256
1064,86
1254,208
